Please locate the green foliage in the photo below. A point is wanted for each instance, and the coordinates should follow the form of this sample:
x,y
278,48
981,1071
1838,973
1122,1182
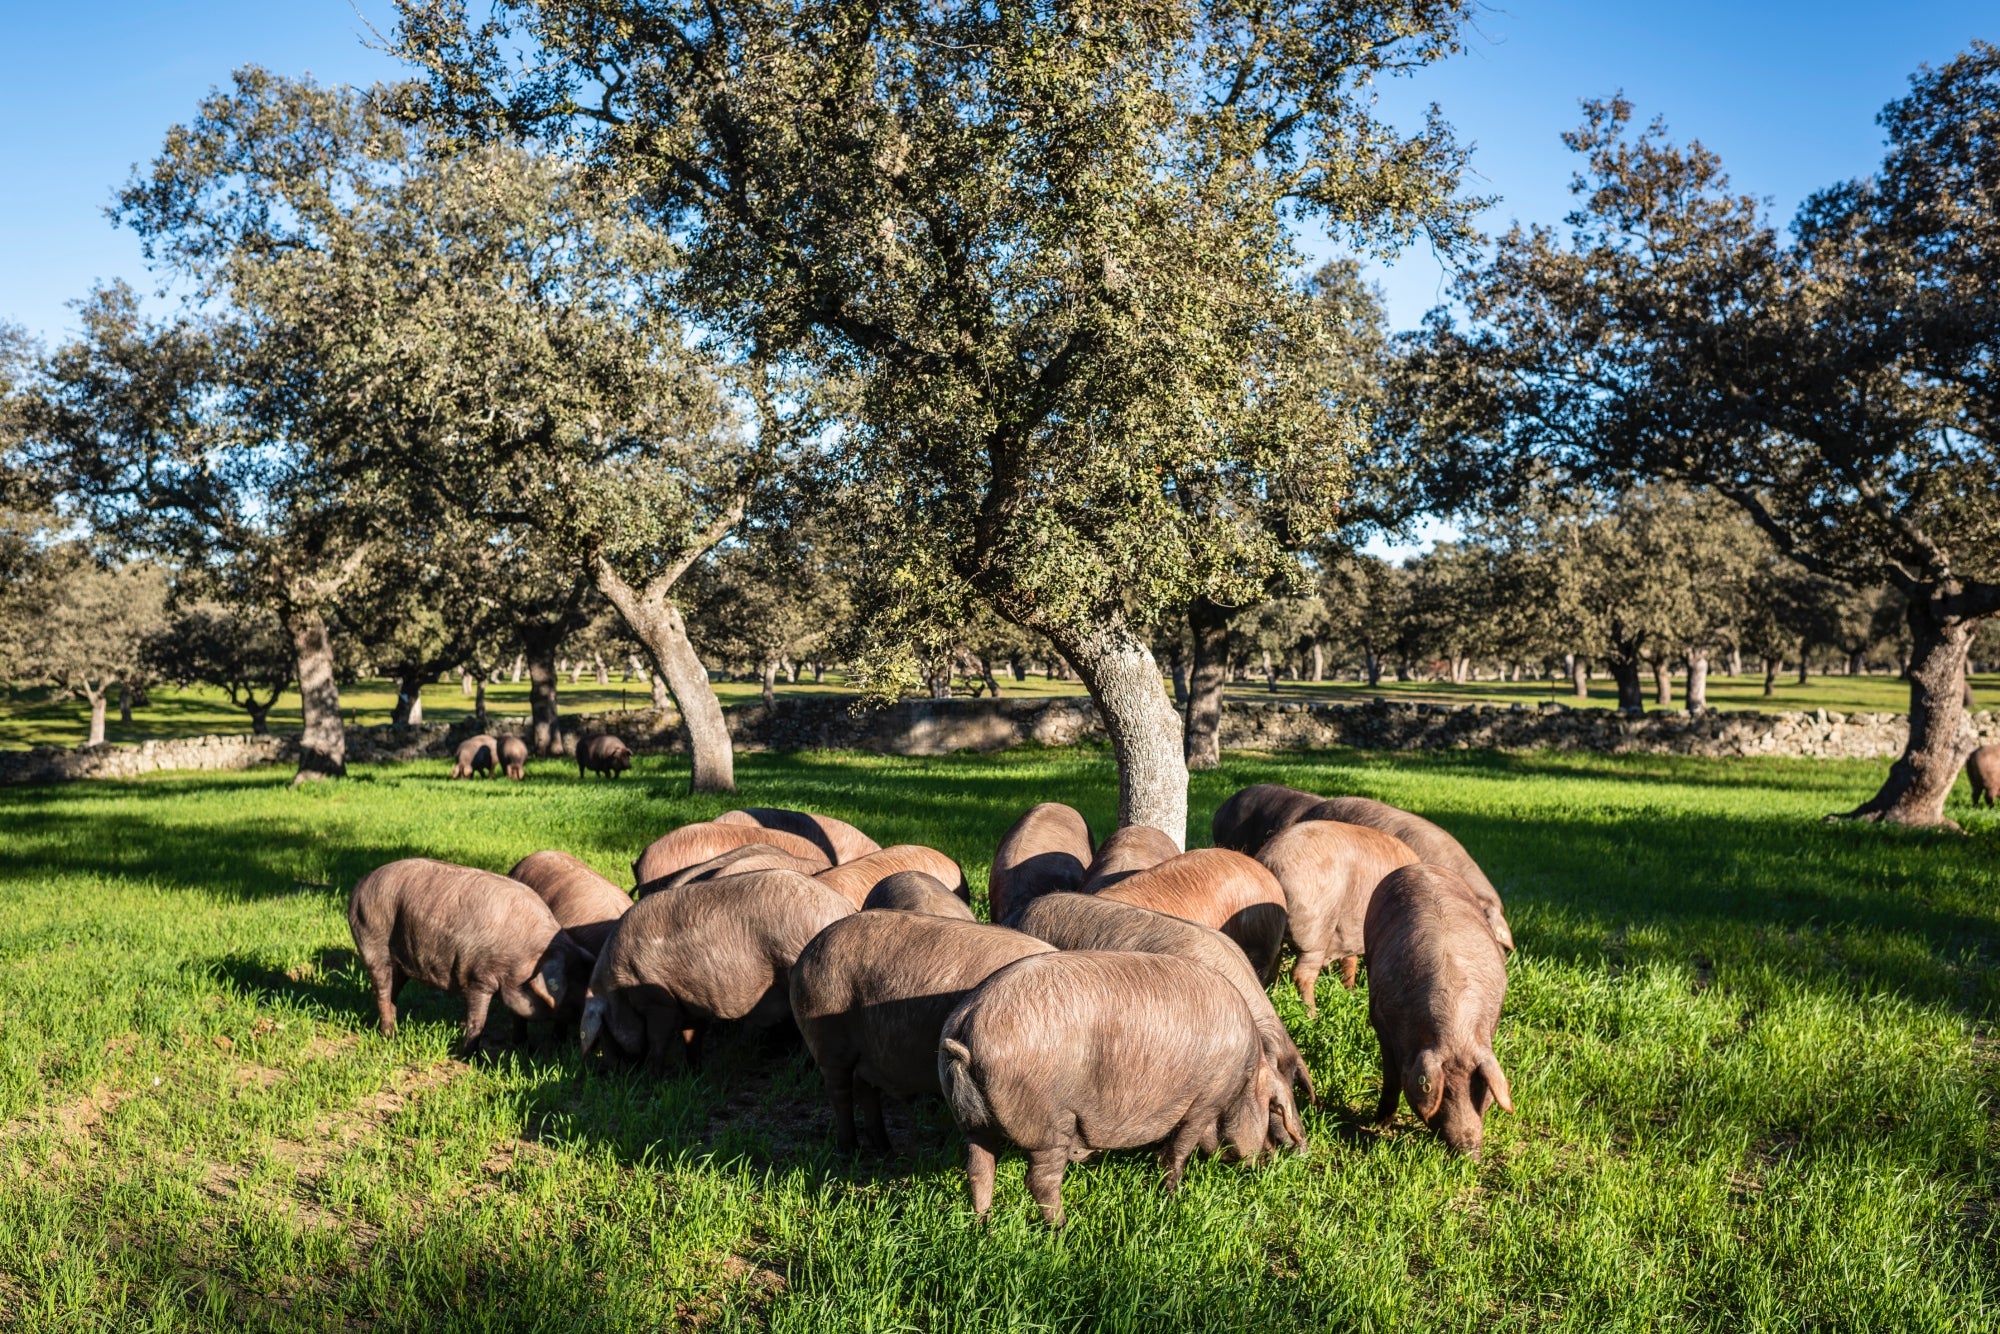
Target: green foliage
x,y
1746,1047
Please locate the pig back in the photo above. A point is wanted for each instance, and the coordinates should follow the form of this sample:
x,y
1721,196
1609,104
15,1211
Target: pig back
x,y
1247,820
1047,851
693,844
1217,888
1434,970
1329,871
586,904
1126,852
853,880
478,752
737,861
837,840
446,925
914,891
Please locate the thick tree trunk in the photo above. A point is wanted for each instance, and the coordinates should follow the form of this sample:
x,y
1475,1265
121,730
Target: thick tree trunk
x,y
1319,662
1371,666
1124,682
656,622
323,742
520,663
1736,660
544,718
1697,692
1805,664
1625,671
96,698
1854,662
465,683
1663,683
1918,783
124,703
409,697
767,675
1209,625
260,719
1579,677
1772,667
1270,675
986,670
603,672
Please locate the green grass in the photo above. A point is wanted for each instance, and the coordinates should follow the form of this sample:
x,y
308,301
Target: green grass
x,y
1749,1052
37,717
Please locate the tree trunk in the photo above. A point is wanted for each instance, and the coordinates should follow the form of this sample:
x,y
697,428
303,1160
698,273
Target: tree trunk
x,y
1180,683
1371,666
659,691
1805,653
410,697
1854,663
1124,682
1625,671
1918,783
819,672
1579,677
1736,660
768,675
465,682
260,715
124,703
992,681
544,726
656,622
478,705
520,662
1209,625
96,698
1319,662
1270,674
1697,692
1663,683
603,672
1771,669
323,742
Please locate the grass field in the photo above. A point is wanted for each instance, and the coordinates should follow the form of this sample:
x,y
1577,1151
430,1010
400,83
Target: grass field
x,y
1750,1053
36,717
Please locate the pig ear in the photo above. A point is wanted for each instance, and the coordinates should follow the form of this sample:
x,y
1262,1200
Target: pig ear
x,y
1423,1083
538,986
1496,1082
593,1022
1304,1079
1496,922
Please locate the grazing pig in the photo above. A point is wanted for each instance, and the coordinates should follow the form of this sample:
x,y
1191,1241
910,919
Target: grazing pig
x,y
1135,848
718,949
736,861
914,891
587,905
1435,984
1220,889
1247,821
476,755
607,755
1047,851
1982,770
514,757
1072,1052
838,840
871,994
692,844
471,933
1093,922
1329,871
852,880
1431,844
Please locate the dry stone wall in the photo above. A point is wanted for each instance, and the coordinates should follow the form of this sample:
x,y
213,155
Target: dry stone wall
x,y
940,727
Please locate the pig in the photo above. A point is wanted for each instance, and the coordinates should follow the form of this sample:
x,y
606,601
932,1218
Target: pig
x,y
693,844
476,755
1076,1051
1093,922
852,880
1247,821
1047,851
1982,770
587,905
1329,871
514,757
871,994
736,861
1436,979
837,840
914,891
606,755
715,950
469,932
1221,889
1126,852
1430,843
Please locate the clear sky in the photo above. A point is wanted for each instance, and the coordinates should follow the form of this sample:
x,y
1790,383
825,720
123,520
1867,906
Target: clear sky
x,y
1786,91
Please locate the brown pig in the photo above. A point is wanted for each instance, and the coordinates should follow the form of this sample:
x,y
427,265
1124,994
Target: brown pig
x,y
1048,851
871,994
1431,844
606,755
1436,980
736,861
1329,871
837,840
1982,770
514,757
852,880
692,844
1126,852
469,932
587,905
914,891
715,950
1247,821
1072,1052
1093,922
476,755
1221,889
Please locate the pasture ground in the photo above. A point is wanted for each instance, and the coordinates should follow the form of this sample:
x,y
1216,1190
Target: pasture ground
x,y
1751,1054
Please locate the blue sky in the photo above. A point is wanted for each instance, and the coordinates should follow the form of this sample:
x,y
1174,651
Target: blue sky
x,y
1786,92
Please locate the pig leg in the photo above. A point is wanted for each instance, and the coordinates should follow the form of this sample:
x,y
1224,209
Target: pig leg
x,y
1177,1150
476,1005
1350,967
840,1095
1045,1178
981,1149
1392,1088
385,1005
868,1100
693,1039
1305,972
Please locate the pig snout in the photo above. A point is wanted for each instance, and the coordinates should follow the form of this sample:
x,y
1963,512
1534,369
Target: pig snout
x,y
592,1027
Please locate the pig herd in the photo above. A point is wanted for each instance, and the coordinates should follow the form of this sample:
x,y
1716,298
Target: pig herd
x,y
1116,1000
